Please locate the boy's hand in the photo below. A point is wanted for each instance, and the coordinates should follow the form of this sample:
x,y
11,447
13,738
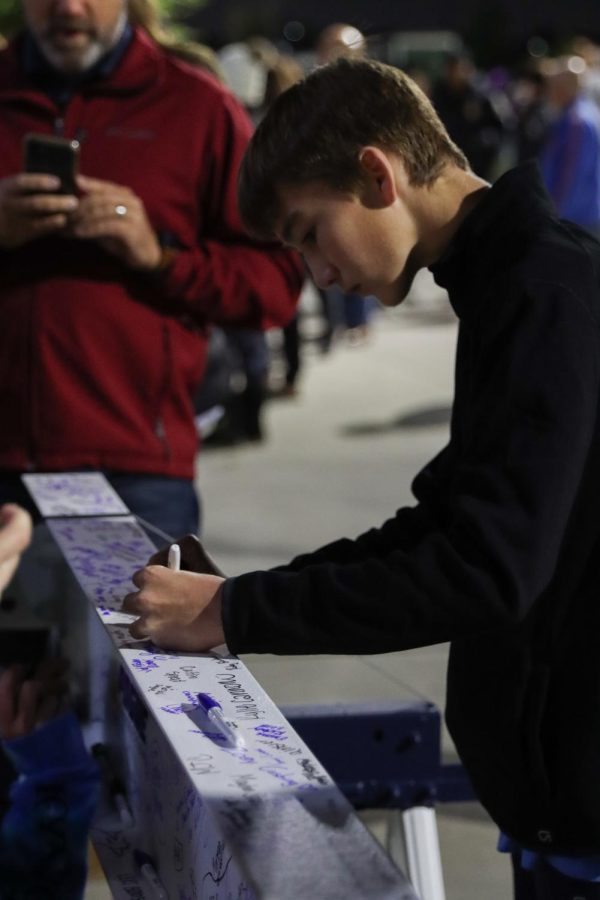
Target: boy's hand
x,y
26,703
15,534
177,610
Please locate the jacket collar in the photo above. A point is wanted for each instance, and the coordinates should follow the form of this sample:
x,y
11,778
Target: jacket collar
x,y
504,221
58,85
139,67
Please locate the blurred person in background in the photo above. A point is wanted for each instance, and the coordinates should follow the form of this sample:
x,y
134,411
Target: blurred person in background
x,y
589,51
570,157
469,115
53,784
109,292
528,97
347,311
145,13
421,77
282,71
256,71
339,39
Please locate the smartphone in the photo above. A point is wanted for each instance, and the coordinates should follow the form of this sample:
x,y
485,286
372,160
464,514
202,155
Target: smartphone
x,y
47,155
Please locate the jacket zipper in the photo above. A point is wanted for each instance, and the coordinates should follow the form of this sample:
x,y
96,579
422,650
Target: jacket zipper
x,y
58,128
159,424
30,463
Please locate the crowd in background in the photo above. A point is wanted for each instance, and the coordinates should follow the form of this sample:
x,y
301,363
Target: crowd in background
x,y
546,109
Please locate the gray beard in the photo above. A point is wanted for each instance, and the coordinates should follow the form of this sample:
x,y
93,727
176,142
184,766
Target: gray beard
x,y
90,56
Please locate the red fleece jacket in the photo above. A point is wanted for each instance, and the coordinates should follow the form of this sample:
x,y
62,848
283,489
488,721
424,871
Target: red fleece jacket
x,y
98,363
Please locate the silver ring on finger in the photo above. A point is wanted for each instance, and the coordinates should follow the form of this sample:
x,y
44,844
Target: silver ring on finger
x,y
120,210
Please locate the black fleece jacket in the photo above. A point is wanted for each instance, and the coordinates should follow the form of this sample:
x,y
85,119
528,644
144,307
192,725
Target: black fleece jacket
x,y
501,554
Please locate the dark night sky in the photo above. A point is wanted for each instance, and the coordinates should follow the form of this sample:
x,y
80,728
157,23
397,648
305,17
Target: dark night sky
x,y
495,26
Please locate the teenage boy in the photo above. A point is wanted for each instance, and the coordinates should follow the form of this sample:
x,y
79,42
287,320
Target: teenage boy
x,y
500,555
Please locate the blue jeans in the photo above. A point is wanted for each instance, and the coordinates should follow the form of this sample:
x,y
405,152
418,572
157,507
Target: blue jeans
x,y
170,504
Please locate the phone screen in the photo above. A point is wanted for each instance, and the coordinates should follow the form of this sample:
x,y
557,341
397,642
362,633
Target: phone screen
x,y
46,155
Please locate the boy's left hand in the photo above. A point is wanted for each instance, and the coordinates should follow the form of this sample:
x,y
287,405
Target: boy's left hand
x,y
177,610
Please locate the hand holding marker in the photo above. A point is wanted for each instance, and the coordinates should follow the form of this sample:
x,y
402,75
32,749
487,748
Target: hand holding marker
x,y
214,711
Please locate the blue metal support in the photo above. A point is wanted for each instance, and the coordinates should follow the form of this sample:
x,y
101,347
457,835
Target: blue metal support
x,y
382,755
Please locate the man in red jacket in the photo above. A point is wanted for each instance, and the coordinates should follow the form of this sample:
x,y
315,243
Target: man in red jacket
x,y
107,295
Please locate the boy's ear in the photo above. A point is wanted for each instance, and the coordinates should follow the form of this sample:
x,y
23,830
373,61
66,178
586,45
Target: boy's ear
x,y
379,175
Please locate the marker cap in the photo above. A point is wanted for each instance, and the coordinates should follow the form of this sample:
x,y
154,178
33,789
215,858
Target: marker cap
x,y
207,702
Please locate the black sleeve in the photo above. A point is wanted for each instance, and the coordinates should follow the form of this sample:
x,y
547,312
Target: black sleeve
x,y
532,410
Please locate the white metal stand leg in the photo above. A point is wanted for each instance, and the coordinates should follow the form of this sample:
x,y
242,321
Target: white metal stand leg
x,y
423,853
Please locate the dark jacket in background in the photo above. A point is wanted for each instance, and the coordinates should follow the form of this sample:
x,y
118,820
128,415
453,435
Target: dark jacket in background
x,y
501,555
473,124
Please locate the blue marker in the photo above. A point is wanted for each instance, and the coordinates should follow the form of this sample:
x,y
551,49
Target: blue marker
x,y
146,867
214,711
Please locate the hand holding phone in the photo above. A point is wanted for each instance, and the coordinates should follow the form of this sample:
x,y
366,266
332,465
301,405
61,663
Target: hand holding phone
x,y
40,200
32,207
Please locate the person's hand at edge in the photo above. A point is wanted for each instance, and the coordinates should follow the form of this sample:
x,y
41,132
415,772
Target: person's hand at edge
x,y
15,535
